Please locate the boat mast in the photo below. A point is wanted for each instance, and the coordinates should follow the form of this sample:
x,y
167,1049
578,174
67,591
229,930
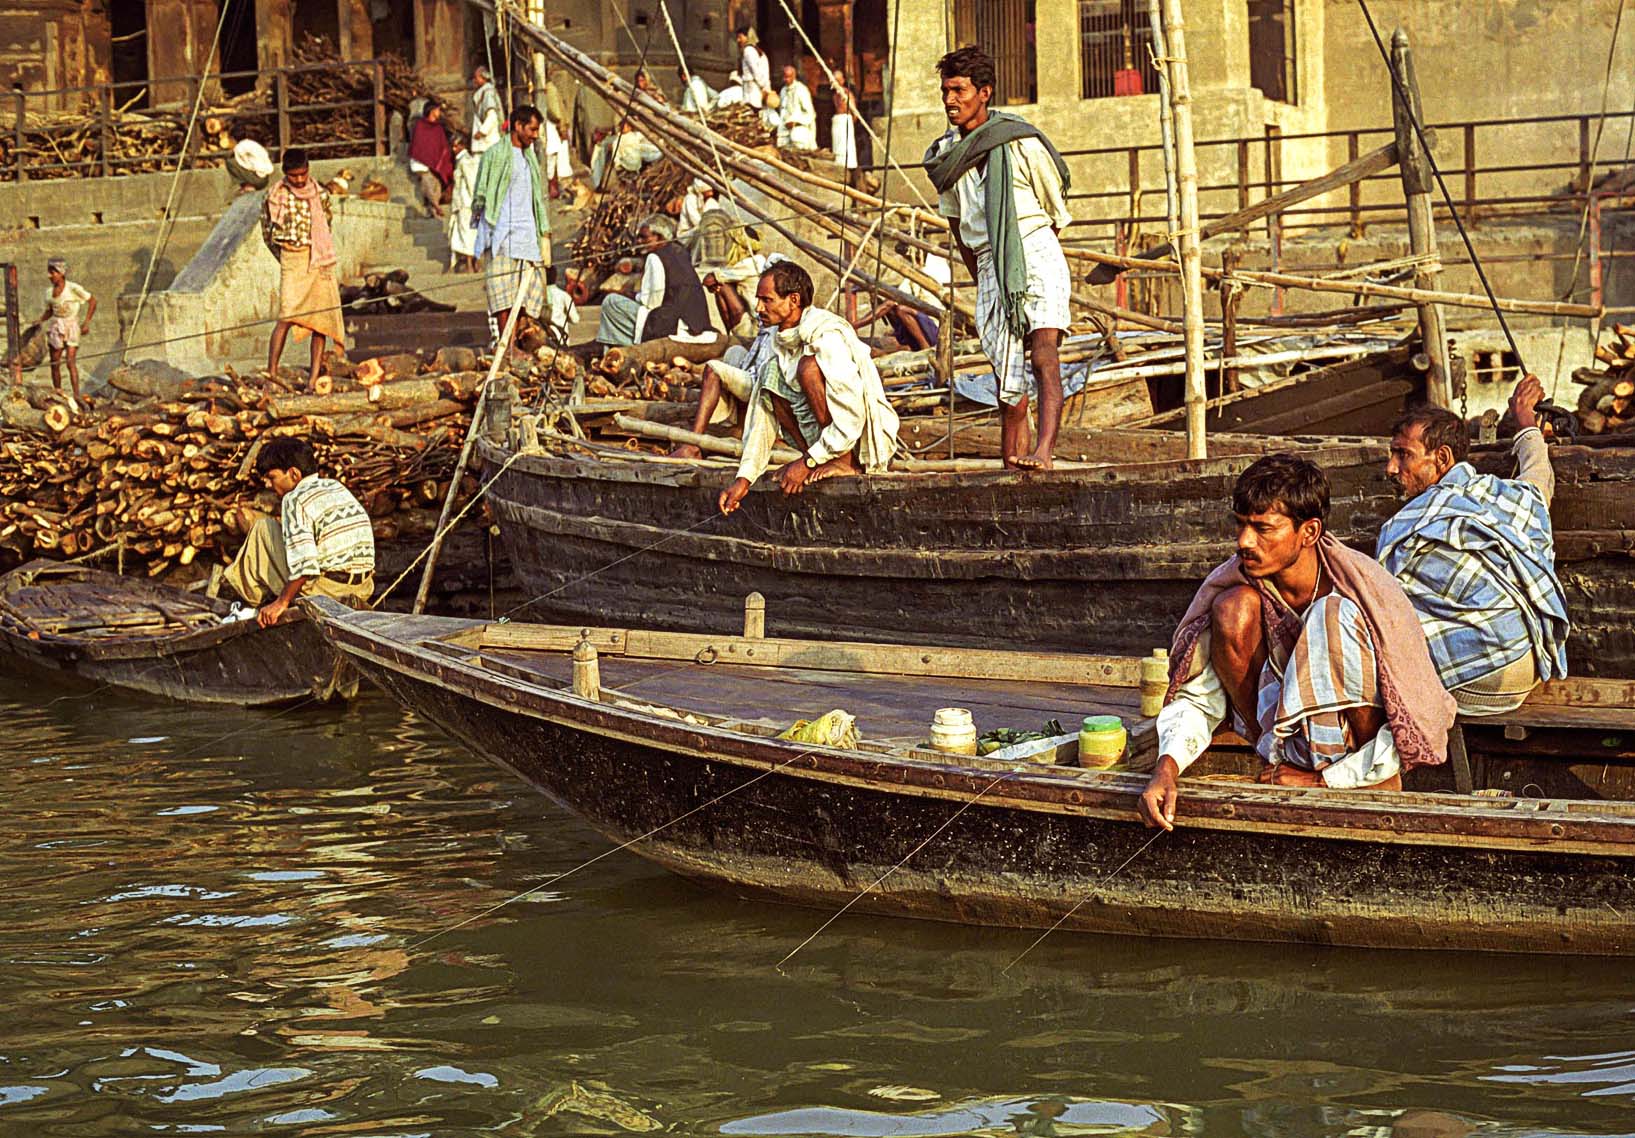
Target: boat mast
x,y
1186,180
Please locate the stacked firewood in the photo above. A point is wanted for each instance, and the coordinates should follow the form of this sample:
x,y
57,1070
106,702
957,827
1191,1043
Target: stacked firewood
x,y
1607,402
608,233
160,471
150,140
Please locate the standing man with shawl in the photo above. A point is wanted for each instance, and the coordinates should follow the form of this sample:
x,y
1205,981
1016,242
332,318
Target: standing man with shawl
x,y
1002,185
1310,647
295,225
513,227
485,112
820,389
1476,555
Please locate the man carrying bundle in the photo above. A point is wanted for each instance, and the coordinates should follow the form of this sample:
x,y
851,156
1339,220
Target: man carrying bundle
x,y
820,389
1476,555
322,541
1310,647
1002,185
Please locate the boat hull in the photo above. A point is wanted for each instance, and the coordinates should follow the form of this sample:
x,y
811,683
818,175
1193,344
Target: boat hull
x,y
830,829
1100,559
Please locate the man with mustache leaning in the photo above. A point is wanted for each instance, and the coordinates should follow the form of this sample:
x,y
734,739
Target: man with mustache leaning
x,y
1310,647
1476,555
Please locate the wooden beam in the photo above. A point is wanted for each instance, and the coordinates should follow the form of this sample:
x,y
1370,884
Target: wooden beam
x,y
832,656
1374,162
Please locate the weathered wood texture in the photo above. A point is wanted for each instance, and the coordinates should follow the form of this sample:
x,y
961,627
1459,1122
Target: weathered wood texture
x,y
86,625
1077,560
1026,845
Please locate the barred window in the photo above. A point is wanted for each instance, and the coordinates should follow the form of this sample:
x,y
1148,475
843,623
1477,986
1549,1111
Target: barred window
x,y
1005,29
1115,41
1271,49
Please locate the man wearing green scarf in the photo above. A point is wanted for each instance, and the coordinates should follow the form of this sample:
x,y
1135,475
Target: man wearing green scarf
x,y
1003,189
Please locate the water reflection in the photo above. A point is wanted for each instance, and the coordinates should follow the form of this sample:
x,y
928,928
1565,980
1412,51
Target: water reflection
x,y
219,922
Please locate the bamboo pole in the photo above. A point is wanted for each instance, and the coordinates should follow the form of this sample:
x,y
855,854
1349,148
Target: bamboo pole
x,y
1415,167
1166,123
1352,288
436,546
1186,179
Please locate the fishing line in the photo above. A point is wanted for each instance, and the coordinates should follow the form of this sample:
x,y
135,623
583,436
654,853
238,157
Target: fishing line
x,y
608,852
1064,917
618,561
1441,183
869,888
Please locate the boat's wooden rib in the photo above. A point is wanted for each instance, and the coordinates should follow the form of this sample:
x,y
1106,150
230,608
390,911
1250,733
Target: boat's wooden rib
x,y
77,623
1023,843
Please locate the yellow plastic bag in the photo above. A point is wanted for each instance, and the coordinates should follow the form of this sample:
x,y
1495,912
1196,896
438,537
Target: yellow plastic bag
x,y
835,728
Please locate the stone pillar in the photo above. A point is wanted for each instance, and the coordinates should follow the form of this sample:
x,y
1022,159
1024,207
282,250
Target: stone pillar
x,y
440,41
357,33
274,26
179,44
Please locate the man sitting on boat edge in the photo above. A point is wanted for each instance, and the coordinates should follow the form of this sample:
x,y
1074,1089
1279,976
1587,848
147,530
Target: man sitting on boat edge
x,y
820,388
1310,646
322,542
1476,555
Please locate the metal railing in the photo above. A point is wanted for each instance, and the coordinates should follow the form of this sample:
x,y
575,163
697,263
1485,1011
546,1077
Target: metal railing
x,y
93,134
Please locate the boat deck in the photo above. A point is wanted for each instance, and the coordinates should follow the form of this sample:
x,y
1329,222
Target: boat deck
x,y
889,709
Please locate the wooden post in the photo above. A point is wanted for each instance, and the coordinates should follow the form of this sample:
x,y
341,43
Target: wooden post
x,y
1166,124
14,324
1135,182
1186,180
380,109
1470,173
1352,143
1416,189
105,122
1231,294
754,617
281,99
17,141
1274,221
587,670
945,336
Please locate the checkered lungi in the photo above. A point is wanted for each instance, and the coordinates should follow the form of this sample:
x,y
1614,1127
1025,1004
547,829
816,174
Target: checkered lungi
x,y
1050,286
509,280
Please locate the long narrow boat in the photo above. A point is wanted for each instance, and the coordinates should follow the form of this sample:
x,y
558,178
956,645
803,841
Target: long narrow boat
x,y
675,754
72,622
1102,556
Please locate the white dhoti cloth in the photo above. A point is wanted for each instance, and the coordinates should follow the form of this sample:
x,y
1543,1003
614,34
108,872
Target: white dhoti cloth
x,y
558,159
843,141
1049,288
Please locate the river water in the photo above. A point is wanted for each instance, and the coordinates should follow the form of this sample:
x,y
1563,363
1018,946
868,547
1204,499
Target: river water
x,y
219,923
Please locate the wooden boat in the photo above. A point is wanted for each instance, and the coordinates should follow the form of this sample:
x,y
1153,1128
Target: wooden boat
x,y
78,623
1101,556
677,757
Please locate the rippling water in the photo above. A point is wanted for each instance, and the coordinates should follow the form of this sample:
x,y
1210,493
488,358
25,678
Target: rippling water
x,y
218,923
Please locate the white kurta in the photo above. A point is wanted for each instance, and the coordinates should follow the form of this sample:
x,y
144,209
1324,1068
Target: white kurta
x,y
860,415
843,141
462,235
797,118
558,160
754,74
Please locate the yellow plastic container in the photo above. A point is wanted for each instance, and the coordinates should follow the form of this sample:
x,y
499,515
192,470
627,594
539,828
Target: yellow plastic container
x,y
1154,682
1102,742
953,732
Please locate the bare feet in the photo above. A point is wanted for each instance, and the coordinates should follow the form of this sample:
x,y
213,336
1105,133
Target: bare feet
x,y
835,468
685,450
1038,460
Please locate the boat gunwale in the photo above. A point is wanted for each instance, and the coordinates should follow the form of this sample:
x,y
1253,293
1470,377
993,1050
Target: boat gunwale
x,y
1368,816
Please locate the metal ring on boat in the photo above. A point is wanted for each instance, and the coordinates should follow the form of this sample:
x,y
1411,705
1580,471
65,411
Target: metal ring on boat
x,y
706,655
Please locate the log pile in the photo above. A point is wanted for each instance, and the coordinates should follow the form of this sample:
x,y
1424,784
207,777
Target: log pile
x,y
609,232
161,470
1607,403
149,140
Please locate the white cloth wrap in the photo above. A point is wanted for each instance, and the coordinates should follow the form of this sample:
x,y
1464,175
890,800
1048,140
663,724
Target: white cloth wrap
x,y
1049,287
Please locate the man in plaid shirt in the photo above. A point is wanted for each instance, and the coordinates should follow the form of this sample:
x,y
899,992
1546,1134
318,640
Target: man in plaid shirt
x,y
1476,555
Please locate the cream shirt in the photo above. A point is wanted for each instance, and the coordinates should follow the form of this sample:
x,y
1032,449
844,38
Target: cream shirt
x,y
1035,185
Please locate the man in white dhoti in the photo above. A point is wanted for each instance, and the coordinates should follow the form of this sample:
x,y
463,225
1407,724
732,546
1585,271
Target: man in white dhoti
x,y
754,73
1009,243
820,389
843,128
483,111
797,117
558,158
